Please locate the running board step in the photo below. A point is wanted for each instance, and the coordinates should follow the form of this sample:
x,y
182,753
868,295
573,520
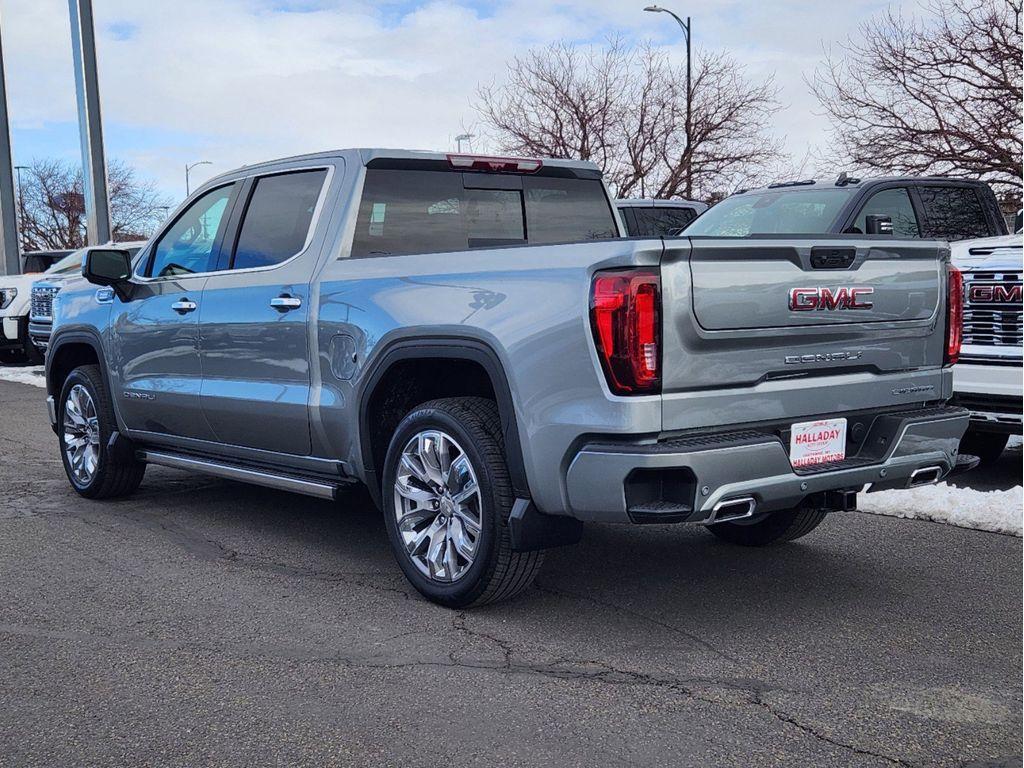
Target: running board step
x,y
307,486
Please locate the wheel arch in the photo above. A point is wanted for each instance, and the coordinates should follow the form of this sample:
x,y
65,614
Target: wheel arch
x,y
69,350
438,350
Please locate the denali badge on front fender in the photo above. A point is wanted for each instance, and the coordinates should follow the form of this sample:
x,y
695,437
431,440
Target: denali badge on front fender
x,y
821,297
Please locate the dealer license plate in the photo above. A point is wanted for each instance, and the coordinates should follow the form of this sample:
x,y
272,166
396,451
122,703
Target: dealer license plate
x,y
817,442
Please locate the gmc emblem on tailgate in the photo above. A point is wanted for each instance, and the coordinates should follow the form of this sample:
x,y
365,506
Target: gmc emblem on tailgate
x,y
994,294
843,297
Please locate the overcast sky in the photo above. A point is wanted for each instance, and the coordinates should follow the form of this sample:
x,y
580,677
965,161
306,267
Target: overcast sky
x,y
237,81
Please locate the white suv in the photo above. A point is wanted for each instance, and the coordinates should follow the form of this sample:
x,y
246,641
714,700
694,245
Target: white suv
x,y
987,379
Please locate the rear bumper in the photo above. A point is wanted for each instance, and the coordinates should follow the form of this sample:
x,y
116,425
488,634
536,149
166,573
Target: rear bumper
x,y
683,480
992,393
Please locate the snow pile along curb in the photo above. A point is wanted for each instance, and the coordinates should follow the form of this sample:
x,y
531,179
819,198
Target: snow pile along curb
x,y
996,511
28,375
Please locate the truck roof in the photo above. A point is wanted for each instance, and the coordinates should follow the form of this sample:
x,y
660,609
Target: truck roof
x,y
650,202
852,182
368,154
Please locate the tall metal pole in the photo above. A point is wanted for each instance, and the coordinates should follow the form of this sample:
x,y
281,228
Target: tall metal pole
x,y
21,205
10,264
689,111
188,169
90,123
686,27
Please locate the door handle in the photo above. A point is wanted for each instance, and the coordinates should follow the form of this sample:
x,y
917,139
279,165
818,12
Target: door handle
x,y
285,303
184,306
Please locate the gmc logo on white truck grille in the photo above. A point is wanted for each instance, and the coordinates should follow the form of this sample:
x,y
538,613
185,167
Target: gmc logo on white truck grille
x,y
994,294
822,298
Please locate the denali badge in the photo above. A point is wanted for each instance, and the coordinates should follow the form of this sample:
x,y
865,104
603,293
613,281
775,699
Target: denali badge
x,y
822,357
843,297
133,395
913,390
994,294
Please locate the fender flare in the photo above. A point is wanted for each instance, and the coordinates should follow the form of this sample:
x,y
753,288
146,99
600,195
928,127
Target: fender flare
x,y
60,339
90,338
450,348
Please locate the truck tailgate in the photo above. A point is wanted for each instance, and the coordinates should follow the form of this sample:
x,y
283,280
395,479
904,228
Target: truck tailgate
x,y
767,328
769,285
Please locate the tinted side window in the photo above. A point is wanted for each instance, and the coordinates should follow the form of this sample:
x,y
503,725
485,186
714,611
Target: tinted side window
x,y
188,246
894,203
414,211
567,210
654,222
953,213
277,218
628,220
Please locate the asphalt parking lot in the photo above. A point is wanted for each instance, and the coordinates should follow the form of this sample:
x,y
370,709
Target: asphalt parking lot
x,y
204,622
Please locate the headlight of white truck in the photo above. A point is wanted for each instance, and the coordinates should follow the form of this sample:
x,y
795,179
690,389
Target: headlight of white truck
x,y
7,295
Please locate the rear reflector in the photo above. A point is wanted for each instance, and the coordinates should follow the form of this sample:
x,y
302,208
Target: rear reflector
x,y
955,315
625,309
494,164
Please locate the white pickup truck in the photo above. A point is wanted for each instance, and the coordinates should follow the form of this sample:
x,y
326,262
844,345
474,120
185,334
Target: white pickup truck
x,y
988,378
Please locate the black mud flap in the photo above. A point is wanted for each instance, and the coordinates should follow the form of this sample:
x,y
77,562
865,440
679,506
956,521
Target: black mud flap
x,y
120,449
532,530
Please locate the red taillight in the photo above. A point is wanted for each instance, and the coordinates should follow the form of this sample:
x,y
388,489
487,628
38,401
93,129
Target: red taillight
x,y
495,164
955,315
624,313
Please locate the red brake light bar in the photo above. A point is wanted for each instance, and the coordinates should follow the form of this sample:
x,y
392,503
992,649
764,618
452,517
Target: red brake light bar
x,y
494,164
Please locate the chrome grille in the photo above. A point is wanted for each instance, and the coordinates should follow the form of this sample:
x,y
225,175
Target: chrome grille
x,y
993,323
42,302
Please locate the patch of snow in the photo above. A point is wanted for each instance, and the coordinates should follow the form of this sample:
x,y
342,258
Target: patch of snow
x,y
24,375
996,511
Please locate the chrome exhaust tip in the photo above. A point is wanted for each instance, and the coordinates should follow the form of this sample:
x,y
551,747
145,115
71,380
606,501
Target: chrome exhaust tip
x,y
924,476
732,509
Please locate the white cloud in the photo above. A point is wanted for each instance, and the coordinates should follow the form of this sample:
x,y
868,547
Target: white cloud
x,y
236,82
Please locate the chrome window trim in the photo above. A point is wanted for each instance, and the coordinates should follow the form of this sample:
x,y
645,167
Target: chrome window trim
x,y
314,222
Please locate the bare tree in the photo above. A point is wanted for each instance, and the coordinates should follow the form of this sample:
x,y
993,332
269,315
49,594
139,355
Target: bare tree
x,y
941,95
54,205
625,110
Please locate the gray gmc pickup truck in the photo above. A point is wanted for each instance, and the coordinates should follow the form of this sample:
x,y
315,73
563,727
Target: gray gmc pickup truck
x,y
474,340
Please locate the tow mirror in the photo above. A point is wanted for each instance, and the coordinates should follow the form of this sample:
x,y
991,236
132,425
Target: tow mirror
x,y
877,224
107,266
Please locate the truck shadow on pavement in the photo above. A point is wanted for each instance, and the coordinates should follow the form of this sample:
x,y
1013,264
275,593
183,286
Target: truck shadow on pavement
x,y
678,569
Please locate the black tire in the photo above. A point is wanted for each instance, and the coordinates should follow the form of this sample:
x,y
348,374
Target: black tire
x,y
496,573
114,476
775,528
987,446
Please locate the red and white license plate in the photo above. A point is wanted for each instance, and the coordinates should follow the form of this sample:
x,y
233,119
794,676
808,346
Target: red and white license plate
x,y
817,442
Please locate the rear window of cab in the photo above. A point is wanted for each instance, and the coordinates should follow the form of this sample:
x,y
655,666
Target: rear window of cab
x,y
434,211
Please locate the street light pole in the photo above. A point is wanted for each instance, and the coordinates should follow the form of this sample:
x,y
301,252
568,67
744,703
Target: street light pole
x,y
188,169
686,27
21,205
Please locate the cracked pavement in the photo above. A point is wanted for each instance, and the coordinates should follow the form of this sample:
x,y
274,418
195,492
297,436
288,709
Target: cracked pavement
x,y
204,622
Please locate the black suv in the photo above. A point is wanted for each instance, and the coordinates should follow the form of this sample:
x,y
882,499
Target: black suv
x,y
931,207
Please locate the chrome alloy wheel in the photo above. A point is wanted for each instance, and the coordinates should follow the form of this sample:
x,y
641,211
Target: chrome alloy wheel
x,y
81,434
438,506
